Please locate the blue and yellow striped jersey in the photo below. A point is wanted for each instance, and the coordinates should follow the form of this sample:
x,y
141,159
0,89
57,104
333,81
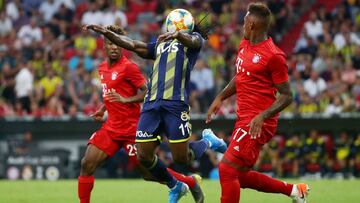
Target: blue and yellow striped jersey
x,y
170,77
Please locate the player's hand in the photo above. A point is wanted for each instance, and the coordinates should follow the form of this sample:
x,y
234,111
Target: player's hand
x,y
167,36
95,28
213,109
113,96
255,126
98,116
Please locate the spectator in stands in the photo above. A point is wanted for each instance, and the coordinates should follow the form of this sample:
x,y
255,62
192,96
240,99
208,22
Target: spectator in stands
x,y
113,15
35,110
268,161
314,85
291,157
38,64
349,48
48,9
319,64
228,108
341,152
8,83
49,86
314,154
307,105
93,105
84,41
327,46
12,9
30,33
93,15
314,27
203,78
53,108
5,24
67,3
335,107
64,14
340,38
81,60
24,86
348,75
6,57
355,157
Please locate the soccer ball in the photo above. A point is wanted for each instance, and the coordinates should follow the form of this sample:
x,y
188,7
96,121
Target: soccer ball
x,y
179,20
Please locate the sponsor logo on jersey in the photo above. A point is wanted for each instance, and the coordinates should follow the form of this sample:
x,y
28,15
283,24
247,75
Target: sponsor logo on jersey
x,y
173,47
101,76
241,50
114,75
256,58
185,116
140,133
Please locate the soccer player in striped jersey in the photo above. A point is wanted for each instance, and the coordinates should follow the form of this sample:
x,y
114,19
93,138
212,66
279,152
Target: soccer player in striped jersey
x,y
166,110
124,87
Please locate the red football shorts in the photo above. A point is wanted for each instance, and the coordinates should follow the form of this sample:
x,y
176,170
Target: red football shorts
x,y
104,140
243,150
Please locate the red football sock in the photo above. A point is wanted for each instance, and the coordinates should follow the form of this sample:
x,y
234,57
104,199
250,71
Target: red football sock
x,y
230,184
190,181
264,183
85,185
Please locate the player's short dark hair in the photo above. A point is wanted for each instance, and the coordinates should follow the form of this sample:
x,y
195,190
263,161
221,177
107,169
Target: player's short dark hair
x,y
116,29
261,11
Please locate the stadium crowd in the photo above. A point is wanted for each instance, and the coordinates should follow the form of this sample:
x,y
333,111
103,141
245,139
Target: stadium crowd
x,y
48,67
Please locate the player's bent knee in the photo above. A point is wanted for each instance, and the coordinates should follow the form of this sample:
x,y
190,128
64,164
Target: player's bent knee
x,y
87,167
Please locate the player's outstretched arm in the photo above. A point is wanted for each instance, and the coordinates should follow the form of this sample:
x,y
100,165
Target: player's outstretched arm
x,y
227,92
283,100
191,41
139,47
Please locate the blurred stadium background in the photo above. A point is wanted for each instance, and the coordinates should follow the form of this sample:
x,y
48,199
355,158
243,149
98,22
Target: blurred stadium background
x,y
49,83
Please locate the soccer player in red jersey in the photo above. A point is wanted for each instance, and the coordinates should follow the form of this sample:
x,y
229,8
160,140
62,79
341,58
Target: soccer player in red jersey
x,y
261,73
123,88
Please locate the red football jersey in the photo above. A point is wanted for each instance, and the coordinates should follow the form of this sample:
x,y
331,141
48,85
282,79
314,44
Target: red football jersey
x,y
258,68
125,78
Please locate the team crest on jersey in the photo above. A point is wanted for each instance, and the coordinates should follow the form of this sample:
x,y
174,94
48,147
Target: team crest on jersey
x,y
256,58
185,116
114,75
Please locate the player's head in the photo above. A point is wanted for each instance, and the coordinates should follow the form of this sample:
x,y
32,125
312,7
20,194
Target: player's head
x,y
113,51
257,19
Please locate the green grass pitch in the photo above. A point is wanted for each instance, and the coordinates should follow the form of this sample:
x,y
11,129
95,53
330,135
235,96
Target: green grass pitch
x,y
138,191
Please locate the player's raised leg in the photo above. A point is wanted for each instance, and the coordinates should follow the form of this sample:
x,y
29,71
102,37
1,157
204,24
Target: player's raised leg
x,y
263,183
230,185
92,159
238,161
